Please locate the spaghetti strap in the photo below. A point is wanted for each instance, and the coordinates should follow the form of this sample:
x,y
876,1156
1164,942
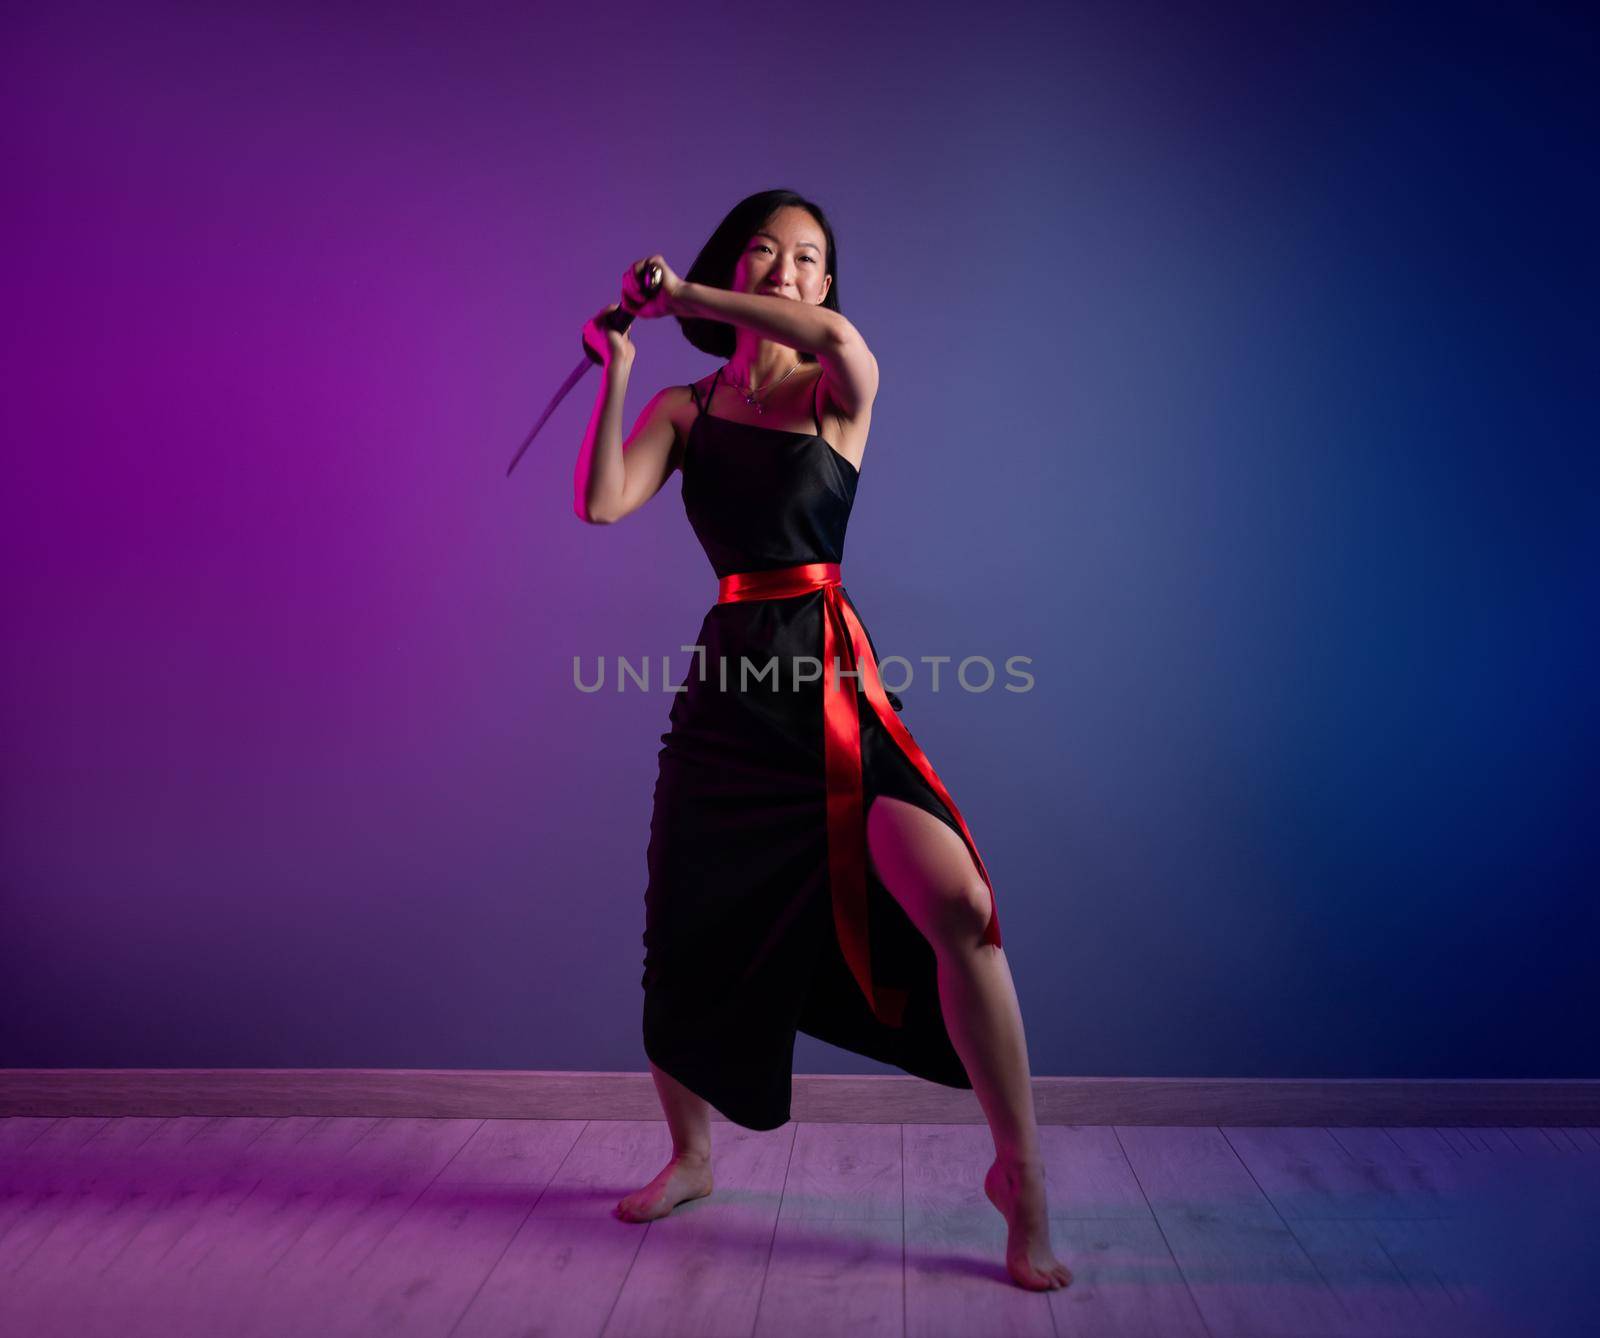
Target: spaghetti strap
x,y
704,406
815,412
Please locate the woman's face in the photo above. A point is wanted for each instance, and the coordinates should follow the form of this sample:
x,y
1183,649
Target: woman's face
x,y
785,258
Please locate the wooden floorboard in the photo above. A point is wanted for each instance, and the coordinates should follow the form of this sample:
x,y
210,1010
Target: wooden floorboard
x,y
257,1227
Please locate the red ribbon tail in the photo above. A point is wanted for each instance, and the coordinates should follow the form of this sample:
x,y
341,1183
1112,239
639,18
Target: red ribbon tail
x,y
845,639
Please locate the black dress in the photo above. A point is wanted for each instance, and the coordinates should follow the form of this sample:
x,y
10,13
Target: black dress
x,y
741,948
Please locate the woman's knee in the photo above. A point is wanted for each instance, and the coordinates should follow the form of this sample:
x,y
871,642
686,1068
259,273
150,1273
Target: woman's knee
x,y
928,870
965,910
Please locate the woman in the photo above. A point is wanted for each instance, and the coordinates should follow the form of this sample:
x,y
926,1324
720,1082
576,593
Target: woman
x,y
808,870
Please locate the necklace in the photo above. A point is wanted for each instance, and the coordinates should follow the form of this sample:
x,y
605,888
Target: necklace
x,y
749,395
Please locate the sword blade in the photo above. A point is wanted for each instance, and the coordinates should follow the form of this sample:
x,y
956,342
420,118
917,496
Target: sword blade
x,y
572,380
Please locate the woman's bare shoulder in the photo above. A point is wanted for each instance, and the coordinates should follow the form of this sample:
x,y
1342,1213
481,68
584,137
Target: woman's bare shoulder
x,y
679,403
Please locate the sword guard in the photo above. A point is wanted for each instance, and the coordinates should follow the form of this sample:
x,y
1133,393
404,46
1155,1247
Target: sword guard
x,y
620,319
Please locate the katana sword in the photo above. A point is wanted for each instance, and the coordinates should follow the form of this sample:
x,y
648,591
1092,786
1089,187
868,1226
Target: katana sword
x,y
619,320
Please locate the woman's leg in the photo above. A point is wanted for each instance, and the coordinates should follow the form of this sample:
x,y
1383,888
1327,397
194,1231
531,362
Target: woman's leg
x,y
929,871
688,1116
687,1174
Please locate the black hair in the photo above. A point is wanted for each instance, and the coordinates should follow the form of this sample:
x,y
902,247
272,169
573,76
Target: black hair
x,y
715,264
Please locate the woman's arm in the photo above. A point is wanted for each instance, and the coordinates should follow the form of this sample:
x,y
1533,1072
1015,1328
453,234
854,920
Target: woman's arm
x,y
850,375
599,476
613,479
838,345
801,325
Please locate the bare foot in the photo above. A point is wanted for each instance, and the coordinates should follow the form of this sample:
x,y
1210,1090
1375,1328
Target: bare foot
x,y
1017,1190
680,1179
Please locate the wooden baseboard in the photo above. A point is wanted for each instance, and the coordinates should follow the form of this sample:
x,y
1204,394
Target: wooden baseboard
x,y
818,1098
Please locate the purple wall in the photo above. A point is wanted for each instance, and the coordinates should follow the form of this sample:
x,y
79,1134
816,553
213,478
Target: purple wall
x,y
1232,369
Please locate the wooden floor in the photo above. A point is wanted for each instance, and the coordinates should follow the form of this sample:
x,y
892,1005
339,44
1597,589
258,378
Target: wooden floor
x,y
230,1227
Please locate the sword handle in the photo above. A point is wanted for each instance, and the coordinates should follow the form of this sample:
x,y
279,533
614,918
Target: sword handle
x,y
620,319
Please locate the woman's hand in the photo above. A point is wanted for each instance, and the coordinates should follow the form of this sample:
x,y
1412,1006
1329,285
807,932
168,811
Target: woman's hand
x,y
634,299
606,344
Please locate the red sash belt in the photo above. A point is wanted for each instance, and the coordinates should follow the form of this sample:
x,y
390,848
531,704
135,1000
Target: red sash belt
x,y
844,638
